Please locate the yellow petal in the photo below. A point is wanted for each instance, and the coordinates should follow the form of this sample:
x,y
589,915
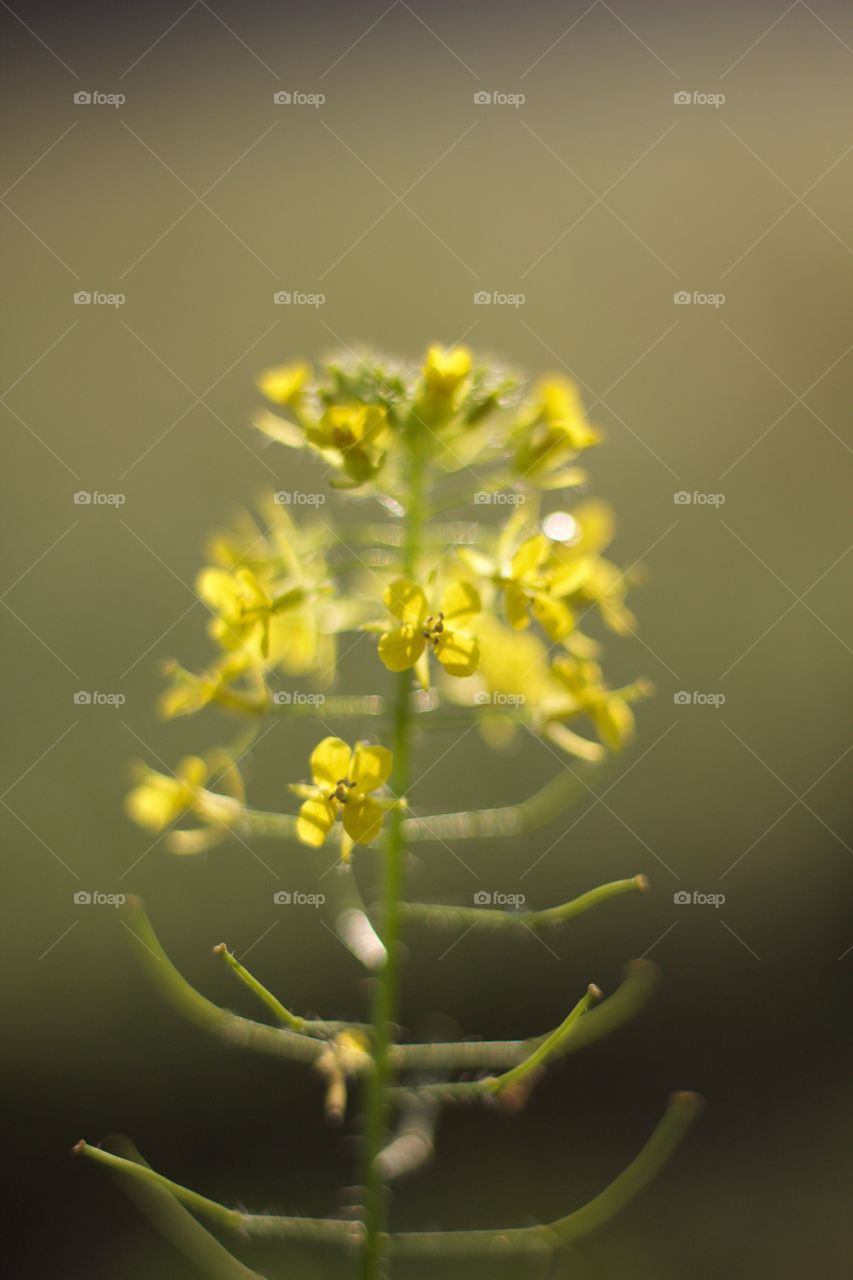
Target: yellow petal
x,y
460,604
192,770
517,603
155,803
529,556
330,762
445,369
219,590
283,383
555,618
401,647
362,818
596,522
371,766
315,820
614,722
458,653
406,601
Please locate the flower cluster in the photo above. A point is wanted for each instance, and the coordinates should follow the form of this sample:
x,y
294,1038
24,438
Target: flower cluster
x,y
503,610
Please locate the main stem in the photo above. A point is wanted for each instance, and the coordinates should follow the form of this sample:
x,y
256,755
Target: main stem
x,y
387,983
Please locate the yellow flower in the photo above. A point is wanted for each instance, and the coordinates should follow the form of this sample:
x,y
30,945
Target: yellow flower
x,y
158,800
351,435
343,780
445,631
552,432
189,693
445,369
580,572
585,693
283,384
243,608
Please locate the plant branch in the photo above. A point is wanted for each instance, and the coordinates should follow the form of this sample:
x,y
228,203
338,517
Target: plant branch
x,y
452,917
682,1111
546,804
479,1055
230,1026
514,1082
265,1225
176,1223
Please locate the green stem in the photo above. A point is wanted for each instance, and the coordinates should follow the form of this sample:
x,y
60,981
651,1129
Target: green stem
x,y
387,981
451,917
282,1015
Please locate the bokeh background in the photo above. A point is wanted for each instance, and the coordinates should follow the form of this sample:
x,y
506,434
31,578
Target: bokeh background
x,y
599,198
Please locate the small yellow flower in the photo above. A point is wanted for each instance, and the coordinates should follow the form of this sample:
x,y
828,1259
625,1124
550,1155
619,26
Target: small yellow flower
x,y
526,587
523,573
283,385
243,608
585,692
190,693
352,434
158,800
580,572
445,369
552,432
445,631
343,780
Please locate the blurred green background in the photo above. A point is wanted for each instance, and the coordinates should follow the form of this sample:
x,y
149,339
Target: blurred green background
x,y
599,198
